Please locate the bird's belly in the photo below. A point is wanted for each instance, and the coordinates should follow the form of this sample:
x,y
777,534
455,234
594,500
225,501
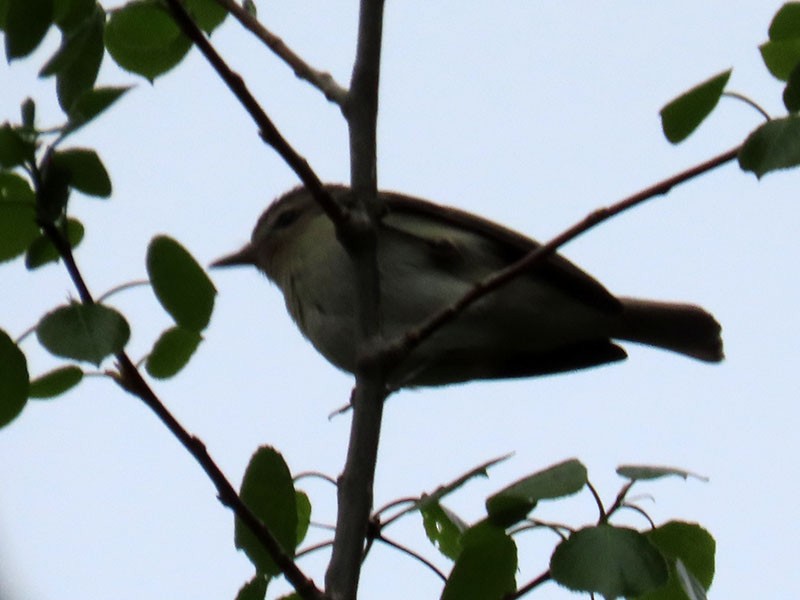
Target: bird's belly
x,y
523,316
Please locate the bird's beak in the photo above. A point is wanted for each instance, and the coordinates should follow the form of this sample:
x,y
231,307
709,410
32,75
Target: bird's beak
x,y
245,256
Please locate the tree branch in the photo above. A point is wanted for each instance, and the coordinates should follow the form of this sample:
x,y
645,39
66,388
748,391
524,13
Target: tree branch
x,y
399,348
544,577
356,482
132,381
269,133
323,81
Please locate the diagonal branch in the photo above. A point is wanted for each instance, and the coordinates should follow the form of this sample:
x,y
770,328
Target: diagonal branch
x,y
321,80
132,381
396,350
267,129
443,490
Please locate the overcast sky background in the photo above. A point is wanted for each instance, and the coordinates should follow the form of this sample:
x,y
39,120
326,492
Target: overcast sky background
x,y
533,115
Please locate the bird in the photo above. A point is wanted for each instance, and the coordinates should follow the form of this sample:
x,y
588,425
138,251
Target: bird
x,y
553,318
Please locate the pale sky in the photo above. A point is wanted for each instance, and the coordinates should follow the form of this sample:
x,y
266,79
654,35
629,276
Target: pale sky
x,y
532,115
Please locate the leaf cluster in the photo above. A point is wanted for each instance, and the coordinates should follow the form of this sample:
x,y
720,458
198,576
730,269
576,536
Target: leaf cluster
x,y
674,561
601,558
38,177
774,145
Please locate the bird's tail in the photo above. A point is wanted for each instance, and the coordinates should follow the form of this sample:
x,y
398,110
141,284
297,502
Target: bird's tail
x,y
682,328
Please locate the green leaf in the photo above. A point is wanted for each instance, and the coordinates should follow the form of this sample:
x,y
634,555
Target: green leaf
x,y
180,284
791,93
68,14
255,589
28,113
513,503
85,55
443,528
26,24
689,584
208,14
683,115
56,382
86,171
172,352
41,251
85,332
17,216
90,104
781,57
303,515
3,12
641,472
693,546
786,22
14,382
612,561
250,7
143,38
485,568
14,149
268,491
16,189
72,43
774,145
782,53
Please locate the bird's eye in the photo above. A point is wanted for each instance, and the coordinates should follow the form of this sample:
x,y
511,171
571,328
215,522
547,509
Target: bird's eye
x,y
286,218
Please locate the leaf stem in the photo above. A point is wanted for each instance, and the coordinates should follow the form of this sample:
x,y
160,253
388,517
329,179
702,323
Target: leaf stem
x,y
121,287
530,586
413,555
749,102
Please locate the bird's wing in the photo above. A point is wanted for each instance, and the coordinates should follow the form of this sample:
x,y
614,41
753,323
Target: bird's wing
x,y
507,244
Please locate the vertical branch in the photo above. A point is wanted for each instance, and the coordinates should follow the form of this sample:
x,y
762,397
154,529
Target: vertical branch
x,y
356,482
361,107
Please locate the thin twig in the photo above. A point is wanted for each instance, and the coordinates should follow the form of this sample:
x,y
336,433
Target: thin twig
x,y
536,524
543,578
313,548
323,81
603,515
269,133
398,349
398,502
412,554
749,102
314,475
620,499
324,526
641,511
121,287
443,490
25,334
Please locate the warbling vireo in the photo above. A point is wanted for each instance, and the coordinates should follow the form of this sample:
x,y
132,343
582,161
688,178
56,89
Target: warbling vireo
x,y
554,318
